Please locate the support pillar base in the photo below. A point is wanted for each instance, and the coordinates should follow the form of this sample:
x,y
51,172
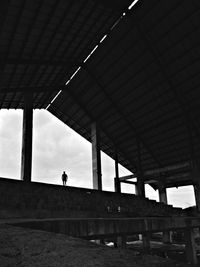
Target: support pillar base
x,y
190,247
121,241
167,237
146,242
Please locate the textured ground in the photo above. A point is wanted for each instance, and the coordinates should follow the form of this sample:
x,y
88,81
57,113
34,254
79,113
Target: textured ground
x,y
32,248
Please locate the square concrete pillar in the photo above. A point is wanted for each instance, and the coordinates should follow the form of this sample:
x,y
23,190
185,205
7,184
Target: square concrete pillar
x,y
121,241
140,187
117,185
197,195
190,247
162,195
116,179
195,174
167,235
26,157
96,158
146,242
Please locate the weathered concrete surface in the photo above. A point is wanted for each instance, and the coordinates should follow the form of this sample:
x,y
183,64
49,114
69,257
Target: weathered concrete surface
x,y
21,199
31,248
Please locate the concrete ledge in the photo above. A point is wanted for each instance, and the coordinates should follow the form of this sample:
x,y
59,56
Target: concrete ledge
x,y
25,199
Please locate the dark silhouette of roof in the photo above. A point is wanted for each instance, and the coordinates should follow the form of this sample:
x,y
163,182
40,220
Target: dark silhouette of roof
x,y
141,84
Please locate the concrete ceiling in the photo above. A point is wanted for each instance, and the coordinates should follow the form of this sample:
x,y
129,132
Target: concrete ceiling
x,y
141,84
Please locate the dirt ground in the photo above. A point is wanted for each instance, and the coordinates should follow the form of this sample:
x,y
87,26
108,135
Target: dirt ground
x,y
32,248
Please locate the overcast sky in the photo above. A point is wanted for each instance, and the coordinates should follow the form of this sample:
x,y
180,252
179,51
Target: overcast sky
x,y
56,148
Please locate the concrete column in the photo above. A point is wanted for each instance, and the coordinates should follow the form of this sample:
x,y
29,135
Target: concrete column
x,y
139,187
195,173
100,242
116,180
189,233
26,158
194,164
167,236
190,247
121,241
162,195
96,158
197,195
146,242
117,185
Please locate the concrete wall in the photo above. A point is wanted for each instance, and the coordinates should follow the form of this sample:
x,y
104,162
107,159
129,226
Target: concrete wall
x,y
37,200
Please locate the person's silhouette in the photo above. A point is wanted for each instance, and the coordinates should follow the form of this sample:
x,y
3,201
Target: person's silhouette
x,y
64,178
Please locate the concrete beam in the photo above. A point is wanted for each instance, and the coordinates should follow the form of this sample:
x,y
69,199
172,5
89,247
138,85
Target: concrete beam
x,y
167,168
130,182
127,177
96,158
26,157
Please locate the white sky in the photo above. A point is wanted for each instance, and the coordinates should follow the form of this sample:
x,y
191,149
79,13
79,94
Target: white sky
x,y
56,148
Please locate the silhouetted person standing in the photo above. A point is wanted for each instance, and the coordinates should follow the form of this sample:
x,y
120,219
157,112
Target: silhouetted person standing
x,y
64,178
